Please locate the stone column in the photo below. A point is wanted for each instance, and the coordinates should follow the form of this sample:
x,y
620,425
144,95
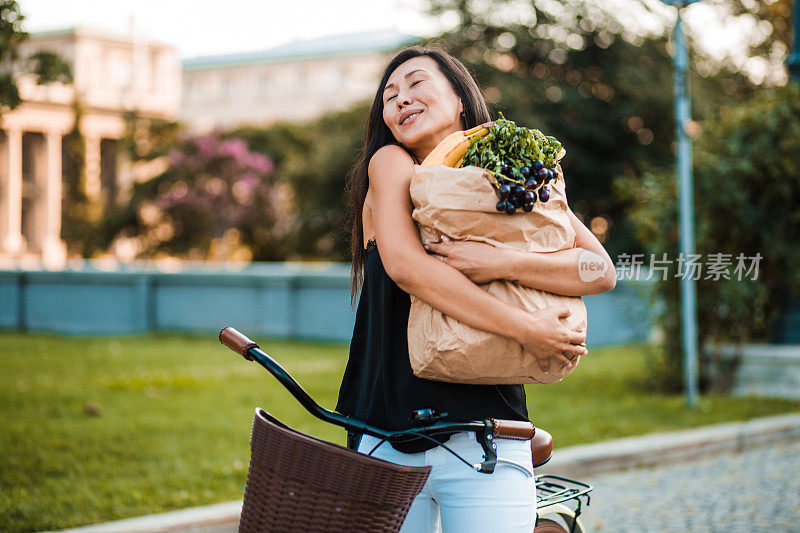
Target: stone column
x,y
54,251
11,241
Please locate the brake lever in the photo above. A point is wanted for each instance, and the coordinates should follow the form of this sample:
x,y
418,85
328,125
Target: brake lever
x,y
486,440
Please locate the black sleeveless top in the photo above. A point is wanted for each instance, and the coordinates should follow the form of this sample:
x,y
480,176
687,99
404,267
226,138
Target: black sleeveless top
x,y
379,387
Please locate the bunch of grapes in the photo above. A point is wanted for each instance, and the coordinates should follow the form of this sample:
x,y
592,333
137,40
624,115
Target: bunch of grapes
x,y
521,161
515,194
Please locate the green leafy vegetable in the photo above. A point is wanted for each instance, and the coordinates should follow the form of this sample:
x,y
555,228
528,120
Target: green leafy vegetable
x,y
512,146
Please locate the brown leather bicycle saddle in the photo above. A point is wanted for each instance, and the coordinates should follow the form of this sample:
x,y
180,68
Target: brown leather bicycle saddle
x,y
541,447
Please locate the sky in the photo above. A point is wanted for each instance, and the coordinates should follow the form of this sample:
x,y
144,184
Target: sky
x,y
202,27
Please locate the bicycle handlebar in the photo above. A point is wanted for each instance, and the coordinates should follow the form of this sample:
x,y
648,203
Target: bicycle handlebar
x,y
486,429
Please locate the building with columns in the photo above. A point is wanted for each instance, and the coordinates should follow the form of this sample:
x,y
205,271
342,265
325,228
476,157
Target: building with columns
x,y
113,75
296,81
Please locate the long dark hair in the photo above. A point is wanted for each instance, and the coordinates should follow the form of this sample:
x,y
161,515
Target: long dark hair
x,y
377,134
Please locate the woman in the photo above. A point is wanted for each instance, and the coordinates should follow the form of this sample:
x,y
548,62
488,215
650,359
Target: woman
x,y
424,95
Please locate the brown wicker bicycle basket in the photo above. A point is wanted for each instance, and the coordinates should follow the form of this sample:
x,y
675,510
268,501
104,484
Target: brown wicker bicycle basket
x,y
297,482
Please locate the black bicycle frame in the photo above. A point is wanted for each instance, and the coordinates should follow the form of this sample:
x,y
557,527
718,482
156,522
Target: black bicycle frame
x,y
483,429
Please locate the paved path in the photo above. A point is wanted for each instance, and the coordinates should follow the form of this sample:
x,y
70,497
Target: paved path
x,y
702,482
753,491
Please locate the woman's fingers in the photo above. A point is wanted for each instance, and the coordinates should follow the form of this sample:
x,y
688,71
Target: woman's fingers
x,y
574,350
576,337
562,359
437,248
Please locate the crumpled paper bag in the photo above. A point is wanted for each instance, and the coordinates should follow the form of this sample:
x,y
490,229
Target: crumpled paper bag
x,y
460,203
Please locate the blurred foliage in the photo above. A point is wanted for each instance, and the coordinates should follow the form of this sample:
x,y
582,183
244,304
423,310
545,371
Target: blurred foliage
x,y
46,66
314,159
216,200
80,214
777,16
575,72
567,67
49,68
146,139
89,227
746,191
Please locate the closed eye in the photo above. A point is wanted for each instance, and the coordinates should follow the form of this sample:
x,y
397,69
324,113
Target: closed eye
x,y
394,96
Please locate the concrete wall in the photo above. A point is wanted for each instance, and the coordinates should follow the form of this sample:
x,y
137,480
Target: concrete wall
x,y
283,300
759,369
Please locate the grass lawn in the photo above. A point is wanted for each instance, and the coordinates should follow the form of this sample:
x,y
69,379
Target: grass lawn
x,y
101,428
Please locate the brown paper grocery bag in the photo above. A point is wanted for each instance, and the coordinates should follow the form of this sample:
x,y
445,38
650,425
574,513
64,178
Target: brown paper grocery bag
x,y
460,203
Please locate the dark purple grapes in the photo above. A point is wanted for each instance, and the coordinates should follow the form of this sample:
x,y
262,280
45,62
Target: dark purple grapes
x,y
544,193
514,196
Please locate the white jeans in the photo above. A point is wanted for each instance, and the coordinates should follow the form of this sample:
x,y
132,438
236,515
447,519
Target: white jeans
x,y
458,499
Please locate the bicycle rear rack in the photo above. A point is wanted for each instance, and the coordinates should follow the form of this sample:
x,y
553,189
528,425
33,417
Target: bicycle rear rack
x,y
552,489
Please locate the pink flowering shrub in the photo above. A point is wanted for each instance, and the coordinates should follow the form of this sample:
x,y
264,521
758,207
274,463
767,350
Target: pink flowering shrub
x,y
216,198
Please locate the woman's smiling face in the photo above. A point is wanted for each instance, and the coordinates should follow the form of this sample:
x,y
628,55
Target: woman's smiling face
x,y
420,106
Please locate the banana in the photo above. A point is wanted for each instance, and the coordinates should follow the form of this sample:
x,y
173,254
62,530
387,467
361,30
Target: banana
x,y
450,150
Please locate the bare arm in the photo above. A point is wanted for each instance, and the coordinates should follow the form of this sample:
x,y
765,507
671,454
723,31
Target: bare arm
x,y
579,271
442,286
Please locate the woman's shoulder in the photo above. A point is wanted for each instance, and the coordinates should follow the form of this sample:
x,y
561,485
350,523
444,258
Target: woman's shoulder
x,y
391,154
391,158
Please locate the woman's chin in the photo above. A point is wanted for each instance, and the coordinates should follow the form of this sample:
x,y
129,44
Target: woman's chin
x,y
416,136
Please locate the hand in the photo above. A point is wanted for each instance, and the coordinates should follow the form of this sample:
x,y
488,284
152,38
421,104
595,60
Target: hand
x,y
478,261
547,339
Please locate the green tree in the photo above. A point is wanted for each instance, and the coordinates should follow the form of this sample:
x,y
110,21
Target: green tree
x,y
46,66
571,69
314,159
776,14
146,139
747,189
79,213
217,200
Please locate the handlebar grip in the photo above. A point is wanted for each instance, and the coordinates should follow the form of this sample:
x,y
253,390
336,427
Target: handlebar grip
x,y
513,429
237,341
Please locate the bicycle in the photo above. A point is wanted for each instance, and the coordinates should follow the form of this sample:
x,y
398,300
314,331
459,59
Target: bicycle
x,y
296,482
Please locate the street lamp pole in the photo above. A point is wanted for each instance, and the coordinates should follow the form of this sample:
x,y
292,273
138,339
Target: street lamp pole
x,y
793,61
685,205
